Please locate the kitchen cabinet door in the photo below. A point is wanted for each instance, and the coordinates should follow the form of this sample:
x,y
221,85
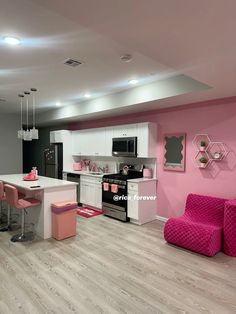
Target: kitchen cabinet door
x,y
56,136
133,205
79,143
147,140
98,195
143,142
98,142
108,141
83,193
125,130
91,194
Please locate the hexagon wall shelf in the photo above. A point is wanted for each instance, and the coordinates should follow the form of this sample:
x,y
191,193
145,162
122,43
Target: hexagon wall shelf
x,y
217,151
208,150
199,140
197,161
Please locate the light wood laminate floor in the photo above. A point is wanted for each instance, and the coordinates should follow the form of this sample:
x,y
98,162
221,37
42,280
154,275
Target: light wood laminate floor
x,y
113,267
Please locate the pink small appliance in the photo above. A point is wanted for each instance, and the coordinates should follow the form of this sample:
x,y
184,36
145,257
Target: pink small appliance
x,y
77,166
147,173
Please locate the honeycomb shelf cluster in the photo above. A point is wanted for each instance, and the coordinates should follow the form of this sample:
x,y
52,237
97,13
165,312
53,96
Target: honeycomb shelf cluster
x,y
207,151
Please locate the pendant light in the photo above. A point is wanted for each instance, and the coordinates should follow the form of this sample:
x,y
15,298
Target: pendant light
x,y
34,132
20,133
27,134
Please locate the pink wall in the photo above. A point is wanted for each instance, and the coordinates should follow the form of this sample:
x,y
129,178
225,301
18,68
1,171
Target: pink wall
x,y
216,118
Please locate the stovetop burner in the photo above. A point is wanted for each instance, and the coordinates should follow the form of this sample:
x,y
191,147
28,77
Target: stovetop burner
x,y
121,177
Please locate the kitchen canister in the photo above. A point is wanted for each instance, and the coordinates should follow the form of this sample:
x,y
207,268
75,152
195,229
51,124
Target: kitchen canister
x,y
147,173
77,166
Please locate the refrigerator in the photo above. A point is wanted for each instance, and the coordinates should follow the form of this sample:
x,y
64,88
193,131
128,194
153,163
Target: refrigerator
x,y
53,161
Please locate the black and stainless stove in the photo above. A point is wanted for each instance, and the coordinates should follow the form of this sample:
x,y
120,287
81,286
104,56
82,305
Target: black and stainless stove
x,y
114,193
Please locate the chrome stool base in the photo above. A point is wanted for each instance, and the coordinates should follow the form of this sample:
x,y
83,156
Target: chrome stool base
x,y
5,228
28,236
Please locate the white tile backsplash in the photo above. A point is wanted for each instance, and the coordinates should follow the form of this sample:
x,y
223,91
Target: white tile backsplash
x,y
113,162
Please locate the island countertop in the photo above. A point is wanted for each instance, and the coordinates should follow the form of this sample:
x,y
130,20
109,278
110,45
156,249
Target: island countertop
x,y
41,184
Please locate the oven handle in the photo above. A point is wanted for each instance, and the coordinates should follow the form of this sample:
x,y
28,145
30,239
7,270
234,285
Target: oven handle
x,y
119,186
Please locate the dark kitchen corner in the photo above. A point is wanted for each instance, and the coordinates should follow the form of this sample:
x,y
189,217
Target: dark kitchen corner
x,y
33,150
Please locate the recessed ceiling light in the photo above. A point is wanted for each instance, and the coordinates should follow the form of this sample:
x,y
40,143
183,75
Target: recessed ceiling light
x,y
12,40
58,104
133,82
87,95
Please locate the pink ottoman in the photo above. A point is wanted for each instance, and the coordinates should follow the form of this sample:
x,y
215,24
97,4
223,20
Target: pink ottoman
x,y
229,230
64,224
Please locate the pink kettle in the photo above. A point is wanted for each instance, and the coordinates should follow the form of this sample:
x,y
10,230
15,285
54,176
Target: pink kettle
x,y
147,173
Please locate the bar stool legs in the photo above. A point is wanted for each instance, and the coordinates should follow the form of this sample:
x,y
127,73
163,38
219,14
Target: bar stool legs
x,y
1,212
23,236
8,226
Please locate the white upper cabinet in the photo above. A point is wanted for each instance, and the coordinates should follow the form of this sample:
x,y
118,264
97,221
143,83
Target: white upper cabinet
x,y
128,130
98,142
57,136
64,137
89,142
108,141
147,140
78,142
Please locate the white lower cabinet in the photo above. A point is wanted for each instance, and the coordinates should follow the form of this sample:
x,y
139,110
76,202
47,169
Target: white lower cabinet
x,y
142,202
91,191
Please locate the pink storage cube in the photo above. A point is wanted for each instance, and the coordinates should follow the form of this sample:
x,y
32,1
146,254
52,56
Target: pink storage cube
x,y
230,228
64,224
60,207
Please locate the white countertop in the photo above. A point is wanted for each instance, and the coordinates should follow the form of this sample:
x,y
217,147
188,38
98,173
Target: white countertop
x,y
138,180
85,173
42,182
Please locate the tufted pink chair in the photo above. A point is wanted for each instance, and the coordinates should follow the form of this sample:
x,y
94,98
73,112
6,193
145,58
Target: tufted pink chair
x,y
230,228
200,227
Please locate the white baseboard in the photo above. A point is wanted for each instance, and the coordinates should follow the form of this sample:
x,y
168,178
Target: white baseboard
x,y
161,218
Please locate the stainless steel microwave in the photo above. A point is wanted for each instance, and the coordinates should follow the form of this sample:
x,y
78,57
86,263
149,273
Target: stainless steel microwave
x,y
124,147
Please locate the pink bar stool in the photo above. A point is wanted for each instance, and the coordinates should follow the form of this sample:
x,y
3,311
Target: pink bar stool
x,y
15,202
3,198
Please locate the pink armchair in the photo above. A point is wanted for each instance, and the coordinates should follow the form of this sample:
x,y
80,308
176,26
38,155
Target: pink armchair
x,y
200,229
229,246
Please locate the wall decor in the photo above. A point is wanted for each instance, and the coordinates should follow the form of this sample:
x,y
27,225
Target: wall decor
x,y
207,151
174,151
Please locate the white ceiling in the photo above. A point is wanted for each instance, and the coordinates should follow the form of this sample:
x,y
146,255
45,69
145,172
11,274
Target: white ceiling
x,y
166,38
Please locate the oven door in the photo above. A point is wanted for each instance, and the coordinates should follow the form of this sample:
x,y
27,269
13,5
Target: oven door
x,y
117,200
124,146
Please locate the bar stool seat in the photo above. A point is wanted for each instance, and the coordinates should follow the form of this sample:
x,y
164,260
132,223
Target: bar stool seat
x,y
21,204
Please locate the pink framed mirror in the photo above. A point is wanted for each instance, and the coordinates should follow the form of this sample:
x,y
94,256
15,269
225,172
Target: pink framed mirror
x,y
174,152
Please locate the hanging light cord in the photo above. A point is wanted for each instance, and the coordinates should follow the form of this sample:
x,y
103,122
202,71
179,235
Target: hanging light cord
x,y
33,110
27,108
21,113
33,90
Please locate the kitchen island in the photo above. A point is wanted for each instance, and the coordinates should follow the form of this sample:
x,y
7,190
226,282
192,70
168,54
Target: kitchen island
x,y
48,191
